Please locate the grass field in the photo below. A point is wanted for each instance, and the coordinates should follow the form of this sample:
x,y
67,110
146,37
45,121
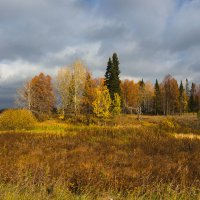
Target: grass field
x,y
155,158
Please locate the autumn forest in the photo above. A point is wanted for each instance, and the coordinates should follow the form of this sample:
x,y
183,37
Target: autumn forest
x,y
76,137
74,91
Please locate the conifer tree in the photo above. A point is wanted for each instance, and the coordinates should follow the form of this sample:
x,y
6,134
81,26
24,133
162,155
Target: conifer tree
x,y
193,103
112,80
108,74
115,75
182,98
187,89
142,95
157,98
187,92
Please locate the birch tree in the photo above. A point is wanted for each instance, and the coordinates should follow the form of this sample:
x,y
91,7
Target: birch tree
x,y
23,98
62,85
70,86
182,99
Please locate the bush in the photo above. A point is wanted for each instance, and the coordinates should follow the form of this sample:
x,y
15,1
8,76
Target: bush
x,y
169,124
17,119
198,115
42,117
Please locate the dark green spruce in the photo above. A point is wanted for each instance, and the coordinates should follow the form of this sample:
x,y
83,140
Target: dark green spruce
x,y
157,98
112,80
108,74
187,91
181,97
193,101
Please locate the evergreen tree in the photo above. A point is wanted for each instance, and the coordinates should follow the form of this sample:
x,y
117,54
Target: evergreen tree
x,y
157,98
112,80
187,91
193,103
142,95
115,84
182,98
142,84
108,74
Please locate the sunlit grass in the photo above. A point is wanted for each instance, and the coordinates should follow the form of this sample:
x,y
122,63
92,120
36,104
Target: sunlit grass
x,y
151,192
121,158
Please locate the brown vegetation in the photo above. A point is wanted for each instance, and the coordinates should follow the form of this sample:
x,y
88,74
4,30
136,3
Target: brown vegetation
x,y
100,160
17,119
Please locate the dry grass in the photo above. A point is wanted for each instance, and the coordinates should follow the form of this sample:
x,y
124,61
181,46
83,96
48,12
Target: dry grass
x,y
125,159
188,135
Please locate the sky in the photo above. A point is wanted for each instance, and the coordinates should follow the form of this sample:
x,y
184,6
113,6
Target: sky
x,y
152,38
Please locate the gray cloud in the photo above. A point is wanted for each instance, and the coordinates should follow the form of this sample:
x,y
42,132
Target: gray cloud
x,y
152,38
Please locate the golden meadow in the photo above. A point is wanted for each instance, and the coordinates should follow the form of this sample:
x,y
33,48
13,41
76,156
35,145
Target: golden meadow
x,y
157,157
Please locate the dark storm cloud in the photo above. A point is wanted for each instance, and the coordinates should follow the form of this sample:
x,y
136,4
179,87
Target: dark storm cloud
x,y
30,30
183,30
8,94
152,38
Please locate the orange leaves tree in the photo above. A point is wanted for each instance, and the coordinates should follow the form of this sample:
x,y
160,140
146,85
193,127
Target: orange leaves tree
x,y
88,96
170,93
43,98
130,96
37,95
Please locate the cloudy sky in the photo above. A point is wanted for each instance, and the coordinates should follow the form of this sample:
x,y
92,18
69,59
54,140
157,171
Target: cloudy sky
x,y
151,37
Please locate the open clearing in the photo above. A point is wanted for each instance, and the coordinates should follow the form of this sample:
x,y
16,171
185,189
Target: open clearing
x,y
155,158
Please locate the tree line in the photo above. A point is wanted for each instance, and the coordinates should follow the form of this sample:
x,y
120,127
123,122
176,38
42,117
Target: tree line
x,y
76,92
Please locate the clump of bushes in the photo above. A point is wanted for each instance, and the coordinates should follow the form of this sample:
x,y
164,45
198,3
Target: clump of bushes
x,y
198,115
41,117
169,124
17,120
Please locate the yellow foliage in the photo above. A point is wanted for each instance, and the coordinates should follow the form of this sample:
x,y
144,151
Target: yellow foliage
x,y
116,104
198,115
102,103
169,124
17,120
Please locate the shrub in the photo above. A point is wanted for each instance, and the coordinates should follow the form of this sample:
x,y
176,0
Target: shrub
x,y
198,115
42,117
17,119
169,124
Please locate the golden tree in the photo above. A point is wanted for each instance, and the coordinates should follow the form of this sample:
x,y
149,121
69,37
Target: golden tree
x,y
130,96
170,93
116,104
88,94
102,102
